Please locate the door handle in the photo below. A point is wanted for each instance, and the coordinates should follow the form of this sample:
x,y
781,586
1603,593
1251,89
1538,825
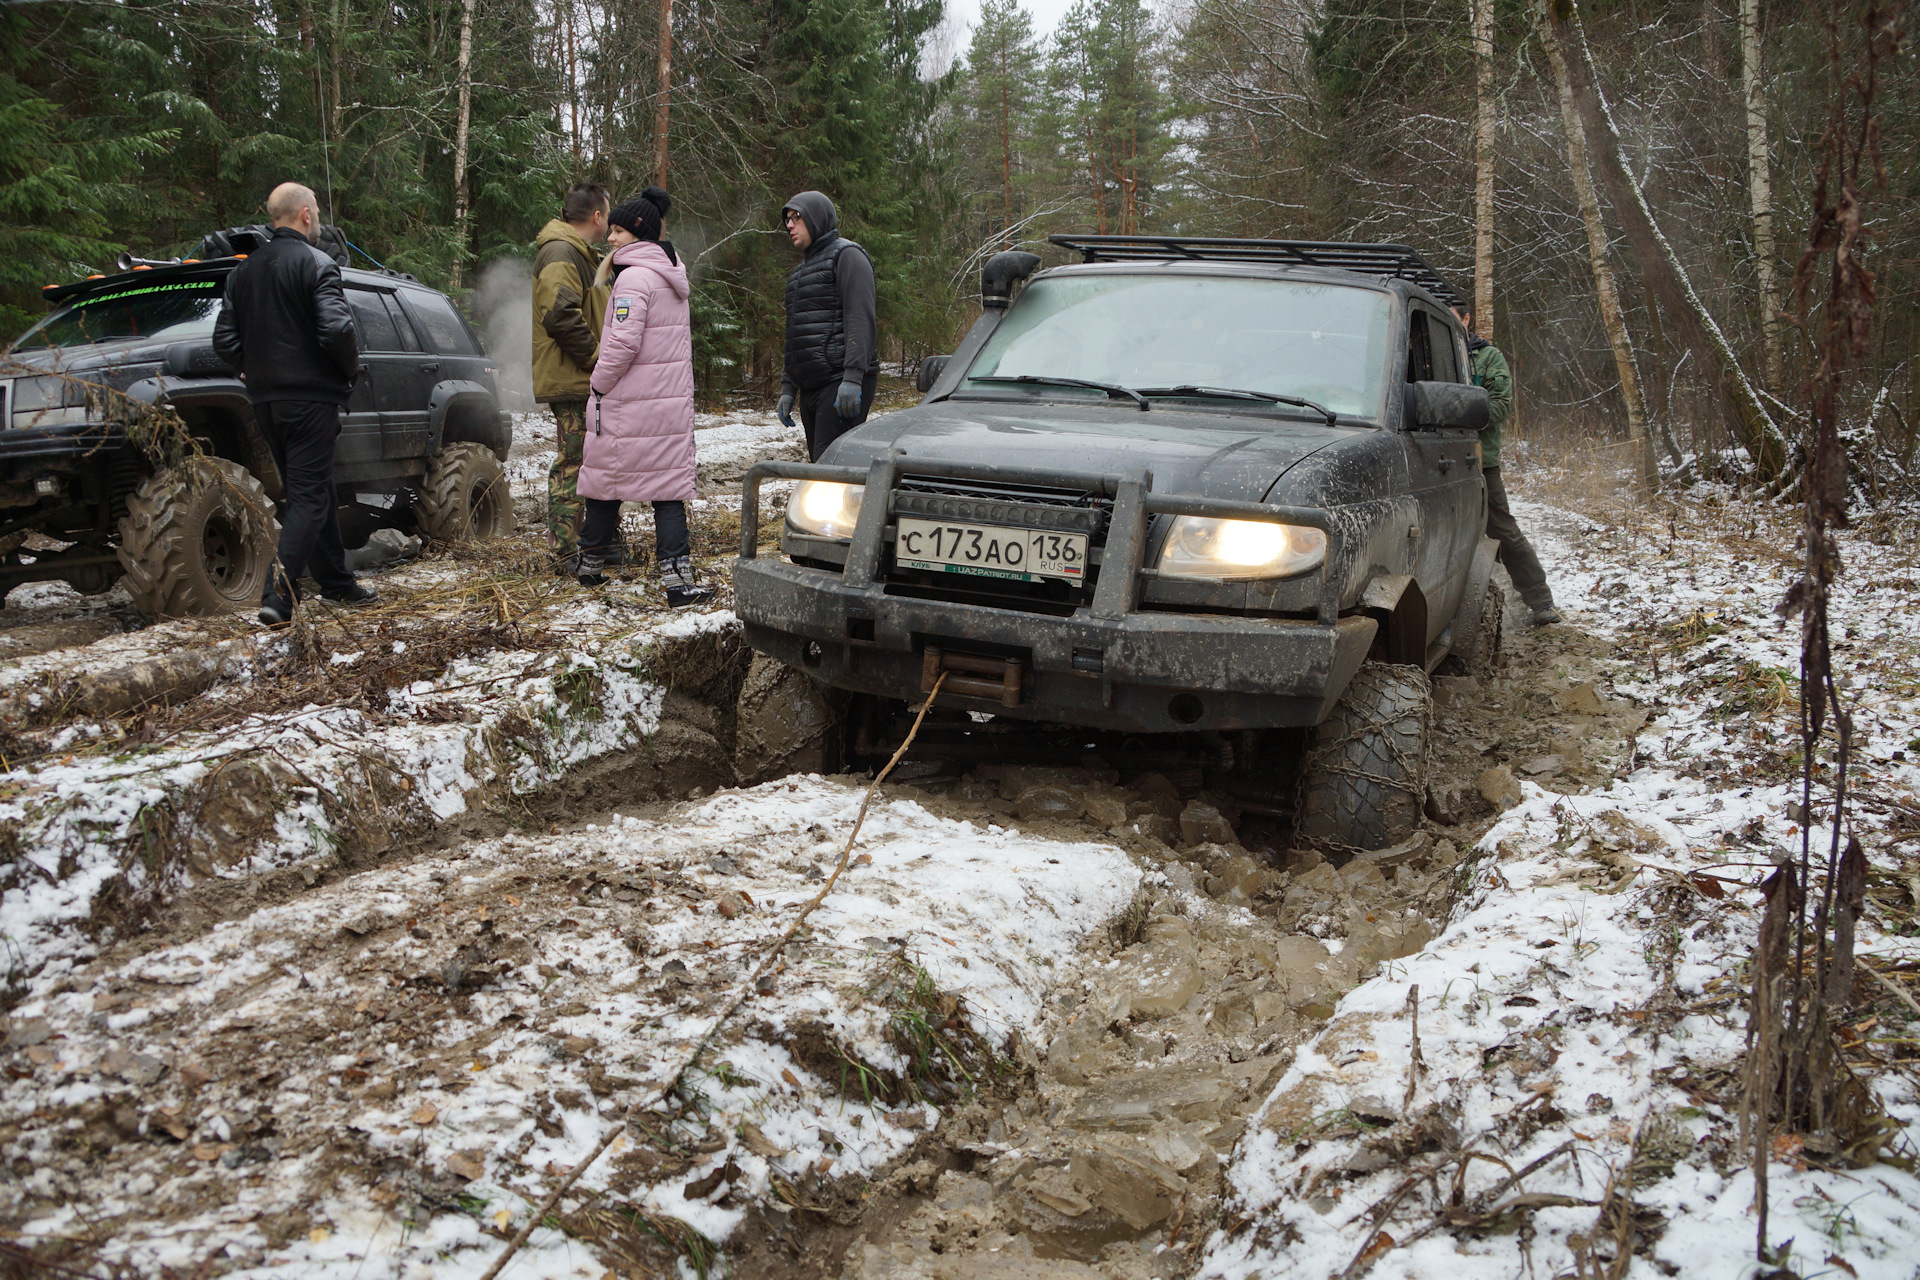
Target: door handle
x,y
431,368
1446,465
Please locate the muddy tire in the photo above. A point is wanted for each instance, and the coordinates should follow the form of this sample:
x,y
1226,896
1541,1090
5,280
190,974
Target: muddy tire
x,y
787,723
464,497
1364,779
1482,657
198,540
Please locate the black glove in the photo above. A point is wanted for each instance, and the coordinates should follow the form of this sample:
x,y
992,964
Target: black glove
x,y
847,403
785,409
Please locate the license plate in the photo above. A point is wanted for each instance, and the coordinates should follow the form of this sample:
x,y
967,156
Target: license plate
x,y
990,551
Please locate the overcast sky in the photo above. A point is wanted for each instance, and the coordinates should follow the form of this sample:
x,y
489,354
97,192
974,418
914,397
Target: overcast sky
x,y
951,42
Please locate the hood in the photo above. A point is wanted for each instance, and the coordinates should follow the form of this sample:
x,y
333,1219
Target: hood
x,y
559,229
1195,453
817,211
649,254
1475,342
112,354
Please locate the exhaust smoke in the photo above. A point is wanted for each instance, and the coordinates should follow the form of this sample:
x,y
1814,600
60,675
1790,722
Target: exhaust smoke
x,y
502,302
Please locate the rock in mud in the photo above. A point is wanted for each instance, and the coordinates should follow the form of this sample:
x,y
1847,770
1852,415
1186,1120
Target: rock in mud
x,y
1048,801
1134,1187
1162,980
788,723
1497,787
1142,1099
1201,823
1106,810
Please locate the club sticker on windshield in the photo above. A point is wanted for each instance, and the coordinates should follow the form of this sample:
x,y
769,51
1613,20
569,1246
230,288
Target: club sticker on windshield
x,y
622,308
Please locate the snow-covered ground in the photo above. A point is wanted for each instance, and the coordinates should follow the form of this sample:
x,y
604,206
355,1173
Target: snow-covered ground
x,y
1588,994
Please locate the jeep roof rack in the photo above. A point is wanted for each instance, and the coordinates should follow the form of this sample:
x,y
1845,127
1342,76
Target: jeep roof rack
x,y
1393,260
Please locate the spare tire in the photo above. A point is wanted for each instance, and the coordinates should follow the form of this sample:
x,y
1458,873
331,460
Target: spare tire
x,y
1364,780
198,540
464,497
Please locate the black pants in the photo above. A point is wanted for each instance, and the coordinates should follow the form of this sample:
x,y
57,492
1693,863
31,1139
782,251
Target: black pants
x,y
822,421
301,434
1523,566
600,531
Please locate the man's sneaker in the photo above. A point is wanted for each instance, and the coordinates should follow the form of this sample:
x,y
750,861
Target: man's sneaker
x,y
358,593
1546,616
275,612
676,580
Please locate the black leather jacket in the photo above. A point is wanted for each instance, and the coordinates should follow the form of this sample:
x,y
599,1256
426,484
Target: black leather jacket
x,y
285,324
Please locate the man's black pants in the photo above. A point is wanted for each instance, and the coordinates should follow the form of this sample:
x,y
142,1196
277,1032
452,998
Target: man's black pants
x,y
301,434
822,421
1523,565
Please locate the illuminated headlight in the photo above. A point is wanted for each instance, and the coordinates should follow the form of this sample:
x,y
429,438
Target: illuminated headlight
x,y
825,508
1202,547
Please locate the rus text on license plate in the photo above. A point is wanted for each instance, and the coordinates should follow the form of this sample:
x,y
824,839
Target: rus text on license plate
x,y
991,551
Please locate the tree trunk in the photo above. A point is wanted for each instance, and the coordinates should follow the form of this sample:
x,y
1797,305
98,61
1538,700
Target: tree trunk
x,y
1759,435
1660,383
1483,169
1760,190
664,78
1611,314
460,140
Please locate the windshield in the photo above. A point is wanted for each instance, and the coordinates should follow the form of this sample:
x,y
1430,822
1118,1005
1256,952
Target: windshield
x,y
1321,342
164,311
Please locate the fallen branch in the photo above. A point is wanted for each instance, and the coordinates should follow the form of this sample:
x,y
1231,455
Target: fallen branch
x,y
739,997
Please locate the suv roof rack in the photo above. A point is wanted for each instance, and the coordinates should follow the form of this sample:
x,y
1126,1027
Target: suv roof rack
x,y
1393,260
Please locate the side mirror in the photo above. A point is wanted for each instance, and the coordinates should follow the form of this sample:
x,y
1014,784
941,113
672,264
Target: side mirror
x,y
930,370
1452,405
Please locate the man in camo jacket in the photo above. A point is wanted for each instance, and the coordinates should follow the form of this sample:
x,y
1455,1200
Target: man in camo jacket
x,y
567,314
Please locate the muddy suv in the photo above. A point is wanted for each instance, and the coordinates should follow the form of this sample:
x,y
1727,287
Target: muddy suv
x,y
1219,497
421,446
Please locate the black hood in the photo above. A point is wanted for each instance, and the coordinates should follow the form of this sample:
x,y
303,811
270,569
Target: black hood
x,y
817,212
1198,452
1475,342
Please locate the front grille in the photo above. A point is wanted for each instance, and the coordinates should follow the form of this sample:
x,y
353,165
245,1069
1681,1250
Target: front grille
x,y
990,502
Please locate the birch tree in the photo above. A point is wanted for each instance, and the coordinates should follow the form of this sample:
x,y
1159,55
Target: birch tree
x,y
1760,189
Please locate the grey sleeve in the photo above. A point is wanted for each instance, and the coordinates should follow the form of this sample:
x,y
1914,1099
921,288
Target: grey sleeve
x,y
854,275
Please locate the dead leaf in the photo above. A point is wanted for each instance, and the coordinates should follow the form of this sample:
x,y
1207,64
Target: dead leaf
x,y
211,1151
466,1166
789,1077
1381,1243
823,1164
319,1235
864,860
510,898
758,1143
384,1195
427,1114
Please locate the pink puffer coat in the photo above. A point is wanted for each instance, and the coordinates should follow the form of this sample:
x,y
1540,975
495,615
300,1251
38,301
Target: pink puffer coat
x,y
640,420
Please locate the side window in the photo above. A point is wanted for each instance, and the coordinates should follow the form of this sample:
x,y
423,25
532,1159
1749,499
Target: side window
x,y
438,323
376,331
1419,352
402,325
1444,368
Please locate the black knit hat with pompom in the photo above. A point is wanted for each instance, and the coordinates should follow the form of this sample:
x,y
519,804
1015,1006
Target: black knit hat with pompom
x,y
641,215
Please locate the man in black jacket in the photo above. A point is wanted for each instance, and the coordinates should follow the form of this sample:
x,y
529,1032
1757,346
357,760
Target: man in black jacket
x,y
833,358
286,327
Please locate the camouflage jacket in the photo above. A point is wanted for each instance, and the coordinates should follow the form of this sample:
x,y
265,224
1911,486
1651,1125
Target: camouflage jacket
x,y
1490,371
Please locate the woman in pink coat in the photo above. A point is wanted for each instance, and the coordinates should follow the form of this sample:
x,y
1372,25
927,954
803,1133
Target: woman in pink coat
x,y
639,445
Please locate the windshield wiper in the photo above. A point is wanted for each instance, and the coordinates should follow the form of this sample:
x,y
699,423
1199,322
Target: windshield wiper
x,y
1113,389
1234,393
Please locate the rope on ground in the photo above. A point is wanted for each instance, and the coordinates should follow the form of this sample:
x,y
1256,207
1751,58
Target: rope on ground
x,y
738,998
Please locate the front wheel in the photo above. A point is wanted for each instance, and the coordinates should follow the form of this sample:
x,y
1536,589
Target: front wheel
x,y
1364,780
465,497
198,540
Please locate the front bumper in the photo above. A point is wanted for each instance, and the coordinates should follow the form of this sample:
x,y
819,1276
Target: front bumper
x,y
1109,665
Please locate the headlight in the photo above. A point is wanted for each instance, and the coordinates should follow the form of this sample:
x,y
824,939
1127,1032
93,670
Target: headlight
x,y
71,416
48,402
1202,547
825,508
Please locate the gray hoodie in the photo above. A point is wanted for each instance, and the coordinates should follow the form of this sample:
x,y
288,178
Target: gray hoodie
x,y
853,278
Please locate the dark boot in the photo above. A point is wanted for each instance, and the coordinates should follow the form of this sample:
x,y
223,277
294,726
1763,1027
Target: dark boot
x,y
591,569
676,579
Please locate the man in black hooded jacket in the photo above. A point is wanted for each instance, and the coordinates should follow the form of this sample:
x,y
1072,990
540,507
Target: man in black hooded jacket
x,y
285,325
833,359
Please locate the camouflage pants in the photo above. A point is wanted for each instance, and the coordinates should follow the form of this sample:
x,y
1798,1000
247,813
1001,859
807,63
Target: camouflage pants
x,y
564,504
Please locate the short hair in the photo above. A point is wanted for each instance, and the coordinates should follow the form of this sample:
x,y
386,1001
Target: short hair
x,y
584,199
288,199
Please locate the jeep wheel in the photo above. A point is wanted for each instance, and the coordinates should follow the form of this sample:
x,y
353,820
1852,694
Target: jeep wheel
x,y
1482,654
198,540
787,722
465,497
1364,780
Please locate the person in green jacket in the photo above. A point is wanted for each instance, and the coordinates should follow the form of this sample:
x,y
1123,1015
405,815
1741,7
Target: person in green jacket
x,y
567,311
1523,566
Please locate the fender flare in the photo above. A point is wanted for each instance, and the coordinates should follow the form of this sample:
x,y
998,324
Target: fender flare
x,y
496,433
228,394
1473,599
1396,601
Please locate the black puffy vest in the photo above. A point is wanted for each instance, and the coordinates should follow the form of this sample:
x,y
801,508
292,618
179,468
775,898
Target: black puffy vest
x,y
816,330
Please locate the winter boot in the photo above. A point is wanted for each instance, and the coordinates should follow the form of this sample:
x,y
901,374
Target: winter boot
x,y
591,569
676,579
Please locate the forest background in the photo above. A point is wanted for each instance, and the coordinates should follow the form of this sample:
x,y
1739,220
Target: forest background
x,y
1627,188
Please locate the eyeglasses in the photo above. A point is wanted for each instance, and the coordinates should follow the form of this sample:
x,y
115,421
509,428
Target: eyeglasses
x,y
790,218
